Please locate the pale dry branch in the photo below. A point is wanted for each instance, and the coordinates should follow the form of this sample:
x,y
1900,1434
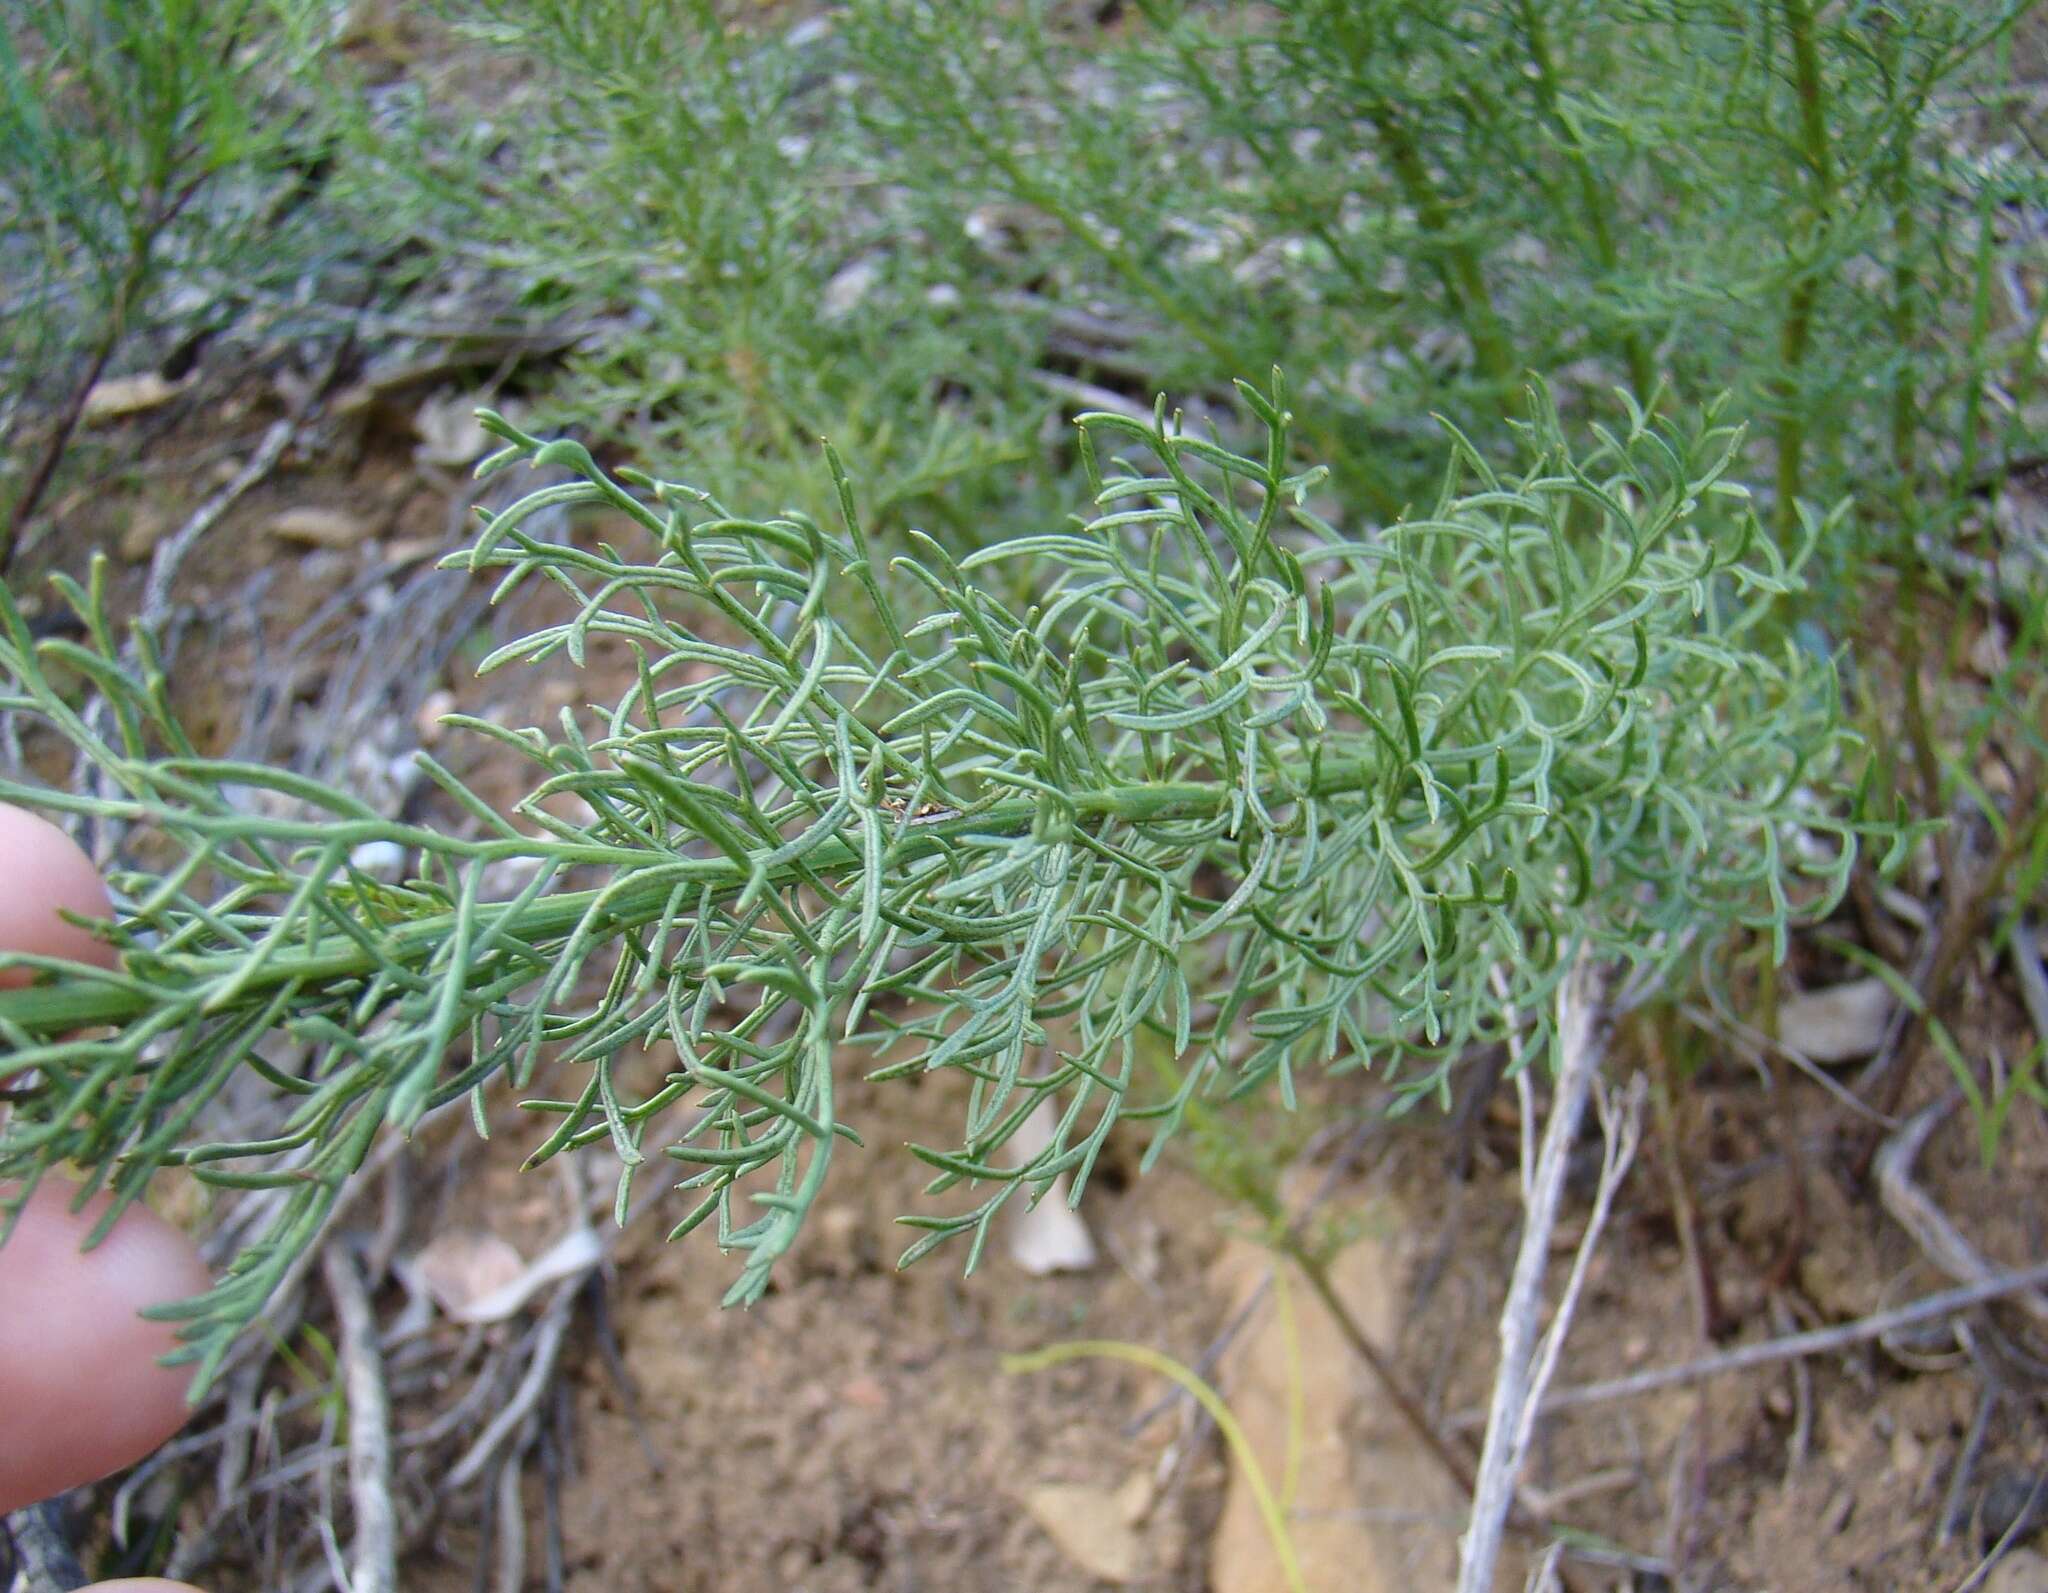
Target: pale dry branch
x,y
1580,1044
1768,1352
1755,1044
511,1520
1798,1445
2021,1522
1914,1210
1953,1514
1621,1126
375,1551
540,1369
170,554
1545,1577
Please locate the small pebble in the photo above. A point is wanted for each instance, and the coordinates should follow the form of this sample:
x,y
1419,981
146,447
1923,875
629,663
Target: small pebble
x,y
380,859
2022,1571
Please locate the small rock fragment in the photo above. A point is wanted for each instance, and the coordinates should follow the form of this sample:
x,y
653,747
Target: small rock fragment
x,y
464,1265
577,1251
147,526
320,528
475,1276
119,396
448,430
849,285
866,1393
1048,1237
1838,1024
427,721
1090,1526
379,859
2022,1571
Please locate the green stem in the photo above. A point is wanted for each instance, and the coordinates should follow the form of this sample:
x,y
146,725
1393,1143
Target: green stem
x,y
1458,267
1595,196
1905,317
85,1002
1795,331
1270,1512
1980,332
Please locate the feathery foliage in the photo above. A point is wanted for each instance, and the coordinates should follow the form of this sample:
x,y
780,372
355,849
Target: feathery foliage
x,y
906,225
1273,793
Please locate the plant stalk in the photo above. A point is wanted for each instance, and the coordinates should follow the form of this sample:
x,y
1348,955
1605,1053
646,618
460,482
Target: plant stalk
x,y
86,1002
1580,1044
1595,196
1795,331
141,253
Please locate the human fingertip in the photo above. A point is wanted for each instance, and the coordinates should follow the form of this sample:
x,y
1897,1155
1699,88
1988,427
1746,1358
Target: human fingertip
x,y
140,1584
47,876
81,1390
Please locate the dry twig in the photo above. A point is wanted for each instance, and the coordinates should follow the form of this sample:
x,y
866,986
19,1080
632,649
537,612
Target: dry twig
x,y
1797,1446
1925,1223
540,1368
1768,1352
375,1557
1581,1041
1621,1126
170,553
2022,1520
1953,1513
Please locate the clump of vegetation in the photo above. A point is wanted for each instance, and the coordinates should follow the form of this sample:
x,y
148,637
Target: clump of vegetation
x,y
910,226
145,143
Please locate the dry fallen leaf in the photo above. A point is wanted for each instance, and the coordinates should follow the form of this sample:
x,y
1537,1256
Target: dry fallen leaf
x,y
1091,1526
465,1265
1370,1511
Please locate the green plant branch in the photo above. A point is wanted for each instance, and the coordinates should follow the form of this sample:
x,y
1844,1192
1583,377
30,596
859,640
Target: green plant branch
x,y
1276,794
1795,330
1597,196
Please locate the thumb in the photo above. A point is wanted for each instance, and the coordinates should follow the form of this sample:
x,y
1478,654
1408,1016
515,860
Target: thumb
x,y
81,1393
140,1584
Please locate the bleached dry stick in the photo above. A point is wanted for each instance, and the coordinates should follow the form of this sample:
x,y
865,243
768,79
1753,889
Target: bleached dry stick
x,y
540,1368
1621,1124
1914,1210
1768,1352
375,1550
1580,1041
